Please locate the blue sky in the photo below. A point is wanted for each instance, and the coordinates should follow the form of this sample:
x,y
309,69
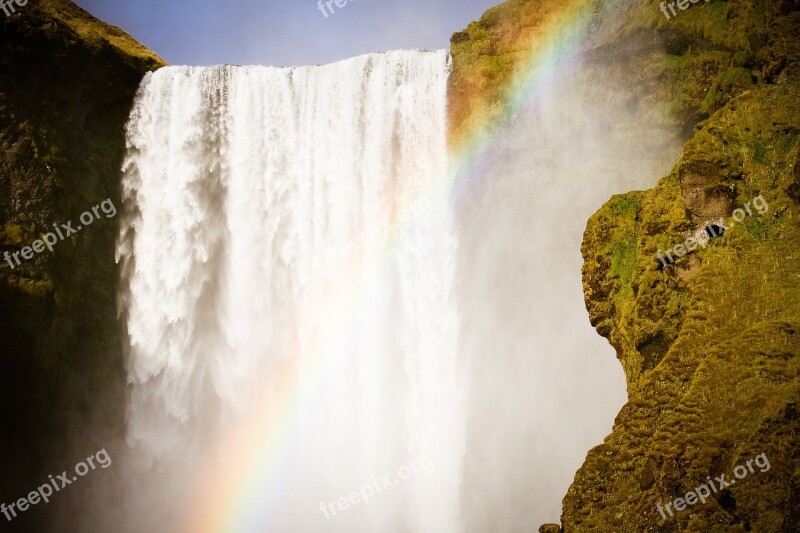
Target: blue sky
x,y
287,32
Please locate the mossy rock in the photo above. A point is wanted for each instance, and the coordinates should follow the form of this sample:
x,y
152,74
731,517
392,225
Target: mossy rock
x,y
67,82
708,344
711,344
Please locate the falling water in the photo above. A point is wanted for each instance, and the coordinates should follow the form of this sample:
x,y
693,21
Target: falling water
x,y
294,259
288,232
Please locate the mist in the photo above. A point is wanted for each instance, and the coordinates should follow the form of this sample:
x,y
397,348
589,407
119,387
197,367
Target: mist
x,y
544,387
333,325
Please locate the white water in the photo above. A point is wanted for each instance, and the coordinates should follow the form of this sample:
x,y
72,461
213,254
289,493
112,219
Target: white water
x,y
258,258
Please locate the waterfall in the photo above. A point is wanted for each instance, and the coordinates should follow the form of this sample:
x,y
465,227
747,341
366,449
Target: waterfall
x,y
288,262
315,308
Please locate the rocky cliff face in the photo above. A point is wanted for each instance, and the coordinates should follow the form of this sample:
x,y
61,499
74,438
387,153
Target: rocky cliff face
x,y
66,86
709,342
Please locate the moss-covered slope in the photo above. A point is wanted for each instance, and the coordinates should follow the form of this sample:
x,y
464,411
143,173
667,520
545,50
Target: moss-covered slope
x,y
709,344
488,53
67,83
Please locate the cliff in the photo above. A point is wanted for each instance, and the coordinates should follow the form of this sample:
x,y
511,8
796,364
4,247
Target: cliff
x,y
708,341
66,89
709,344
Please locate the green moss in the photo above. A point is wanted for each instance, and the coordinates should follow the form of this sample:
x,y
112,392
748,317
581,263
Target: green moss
x,y
788,141
66,90
676,62
727,85
488,53
710,346
12,234
756,227
96,33
35,288
625,204
623,260
759,152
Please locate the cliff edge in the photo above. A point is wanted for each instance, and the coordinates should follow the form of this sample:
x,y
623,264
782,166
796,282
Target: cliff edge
x,y
708,337
67,86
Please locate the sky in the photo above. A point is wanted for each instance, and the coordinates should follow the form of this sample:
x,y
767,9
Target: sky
x,y
286,32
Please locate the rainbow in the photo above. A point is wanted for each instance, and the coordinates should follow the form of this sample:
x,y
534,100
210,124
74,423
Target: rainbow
x,y
236,489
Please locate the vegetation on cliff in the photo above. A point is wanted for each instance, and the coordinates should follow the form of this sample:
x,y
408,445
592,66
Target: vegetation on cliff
x,y
491,51
66,86
710,344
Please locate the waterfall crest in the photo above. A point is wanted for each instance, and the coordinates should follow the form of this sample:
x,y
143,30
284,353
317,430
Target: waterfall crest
x,y
287,231
300,273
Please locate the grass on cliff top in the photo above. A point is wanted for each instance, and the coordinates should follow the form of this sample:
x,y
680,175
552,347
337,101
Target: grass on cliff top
x,y
491,51
95,32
